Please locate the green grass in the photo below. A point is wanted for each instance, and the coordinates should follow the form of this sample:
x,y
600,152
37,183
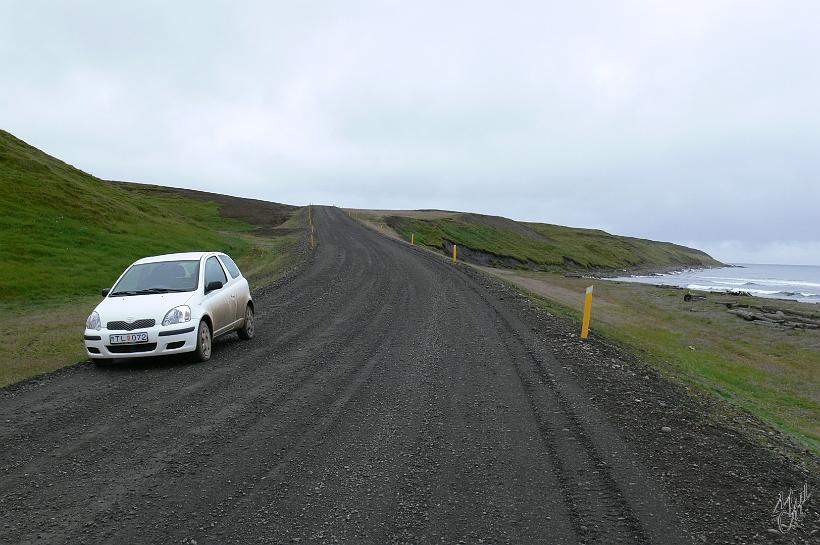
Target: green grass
x,y
772,373
268,257
65,234
39,339
544,247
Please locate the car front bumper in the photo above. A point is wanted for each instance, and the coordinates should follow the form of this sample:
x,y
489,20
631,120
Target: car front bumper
x,y
162,340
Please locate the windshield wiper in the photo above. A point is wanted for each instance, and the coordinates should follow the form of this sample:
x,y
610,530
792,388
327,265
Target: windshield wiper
x,y
159,290
117,293
147,291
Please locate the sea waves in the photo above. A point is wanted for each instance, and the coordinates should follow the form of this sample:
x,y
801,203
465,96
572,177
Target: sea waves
x,y
800,283
777,294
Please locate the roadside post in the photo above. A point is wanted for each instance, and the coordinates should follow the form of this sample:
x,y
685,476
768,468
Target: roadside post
x,y
454,253
413,238
312,229
587,313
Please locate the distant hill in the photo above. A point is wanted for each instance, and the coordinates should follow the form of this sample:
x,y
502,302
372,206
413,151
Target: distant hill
x,y
66,233
502,242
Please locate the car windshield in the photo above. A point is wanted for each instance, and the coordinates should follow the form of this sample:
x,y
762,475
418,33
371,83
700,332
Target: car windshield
x,y
161,277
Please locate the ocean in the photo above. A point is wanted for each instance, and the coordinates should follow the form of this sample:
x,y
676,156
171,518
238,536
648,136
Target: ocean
x,y
797,282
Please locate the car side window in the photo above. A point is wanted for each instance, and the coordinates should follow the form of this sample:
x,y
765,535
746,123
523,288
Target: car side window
x,y
214,272
230,265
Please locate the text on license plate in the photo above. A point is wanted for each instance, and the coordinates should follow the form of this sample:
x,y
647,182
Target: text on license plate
x,y
129,338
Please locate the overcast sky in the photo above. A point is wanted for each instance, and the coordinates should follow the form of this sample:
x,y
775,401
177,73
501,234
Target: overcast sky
x,y
691,121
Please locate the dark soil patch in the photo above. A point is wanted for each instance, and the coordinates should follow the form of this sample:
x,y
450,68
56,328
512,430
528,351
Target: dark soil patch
x,y
264,214
278,231
488,259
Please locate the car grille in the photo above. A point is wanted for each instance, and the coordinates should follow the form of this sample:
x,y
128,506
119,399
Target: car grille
x,y
125,326
131,348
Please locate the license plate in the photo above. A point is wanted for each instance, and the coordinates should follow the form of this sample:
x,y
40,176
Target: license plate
x,y
129,338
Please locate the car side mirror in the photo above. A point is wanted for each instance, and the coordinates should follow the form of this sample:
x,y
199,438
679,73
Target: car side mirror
x,y
105,292
215,285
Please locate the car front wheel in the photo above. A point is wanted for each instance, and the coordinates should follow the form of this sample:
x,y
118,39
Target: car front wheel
x,y
203,342
246,331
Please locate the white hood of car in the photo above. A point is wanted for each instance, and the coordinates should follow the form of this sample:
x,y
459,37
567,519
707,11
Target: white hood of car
x,y
138,307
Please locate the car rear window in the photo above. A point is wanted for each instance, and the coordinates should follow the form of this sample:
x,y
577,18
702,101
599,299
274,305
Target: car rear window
x,y
230,265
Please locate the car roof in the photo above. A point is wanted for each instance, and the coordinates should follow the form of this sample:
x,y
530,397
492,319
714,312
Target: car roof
x,y
185,256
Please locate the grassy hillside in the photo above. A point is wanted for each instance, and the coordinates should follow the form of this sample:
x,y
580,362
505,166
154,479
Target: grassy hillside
x,y
497,241
269,232
65,233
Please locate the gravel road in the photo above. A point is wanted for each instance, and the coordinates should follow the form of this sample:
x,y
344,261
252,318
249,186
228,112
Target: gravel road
x,y
388,397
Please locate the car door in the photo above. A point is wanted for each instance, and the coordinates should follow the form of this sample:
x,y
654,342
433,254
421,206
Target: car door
x,y
233,300
218,301
237,286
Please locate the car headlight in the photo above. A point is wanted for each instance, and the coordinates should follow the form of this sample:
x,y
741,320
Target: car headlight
x,y
93,322
177,315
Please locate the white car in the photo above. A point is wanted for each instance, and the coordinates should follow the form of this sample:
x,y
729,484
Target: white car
x,y
169,304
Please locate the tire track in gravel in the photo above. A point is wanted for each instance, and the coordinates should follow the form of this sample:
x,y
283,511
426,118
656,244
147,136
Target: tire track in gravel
x,y
599,510
258,428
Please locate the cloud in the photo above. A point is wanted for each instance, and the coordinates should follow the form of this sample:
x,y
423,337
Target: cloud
x,y
674,120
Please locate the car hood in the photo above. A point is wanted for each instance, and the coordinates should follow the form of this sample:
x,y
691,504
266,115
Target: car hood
x,y
139,307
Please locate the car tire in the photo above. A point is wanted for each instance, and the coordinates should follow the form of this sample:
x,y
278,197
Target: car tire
x,y
101,362
204,342
248,326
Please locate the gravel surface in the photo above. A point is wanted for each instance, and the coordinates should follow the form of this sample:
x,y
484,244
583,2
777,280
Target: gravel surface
x,y
388,397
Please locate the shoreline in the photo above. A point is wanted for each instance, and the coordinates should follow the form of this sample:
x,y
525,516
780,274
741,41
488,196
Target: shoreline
x,y
643,270
774,289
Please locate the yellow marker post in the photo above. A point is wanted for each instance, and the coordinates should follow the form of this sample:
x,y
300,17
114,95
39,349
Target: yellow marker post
x,y
312,236
454,253
413,238
587,313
